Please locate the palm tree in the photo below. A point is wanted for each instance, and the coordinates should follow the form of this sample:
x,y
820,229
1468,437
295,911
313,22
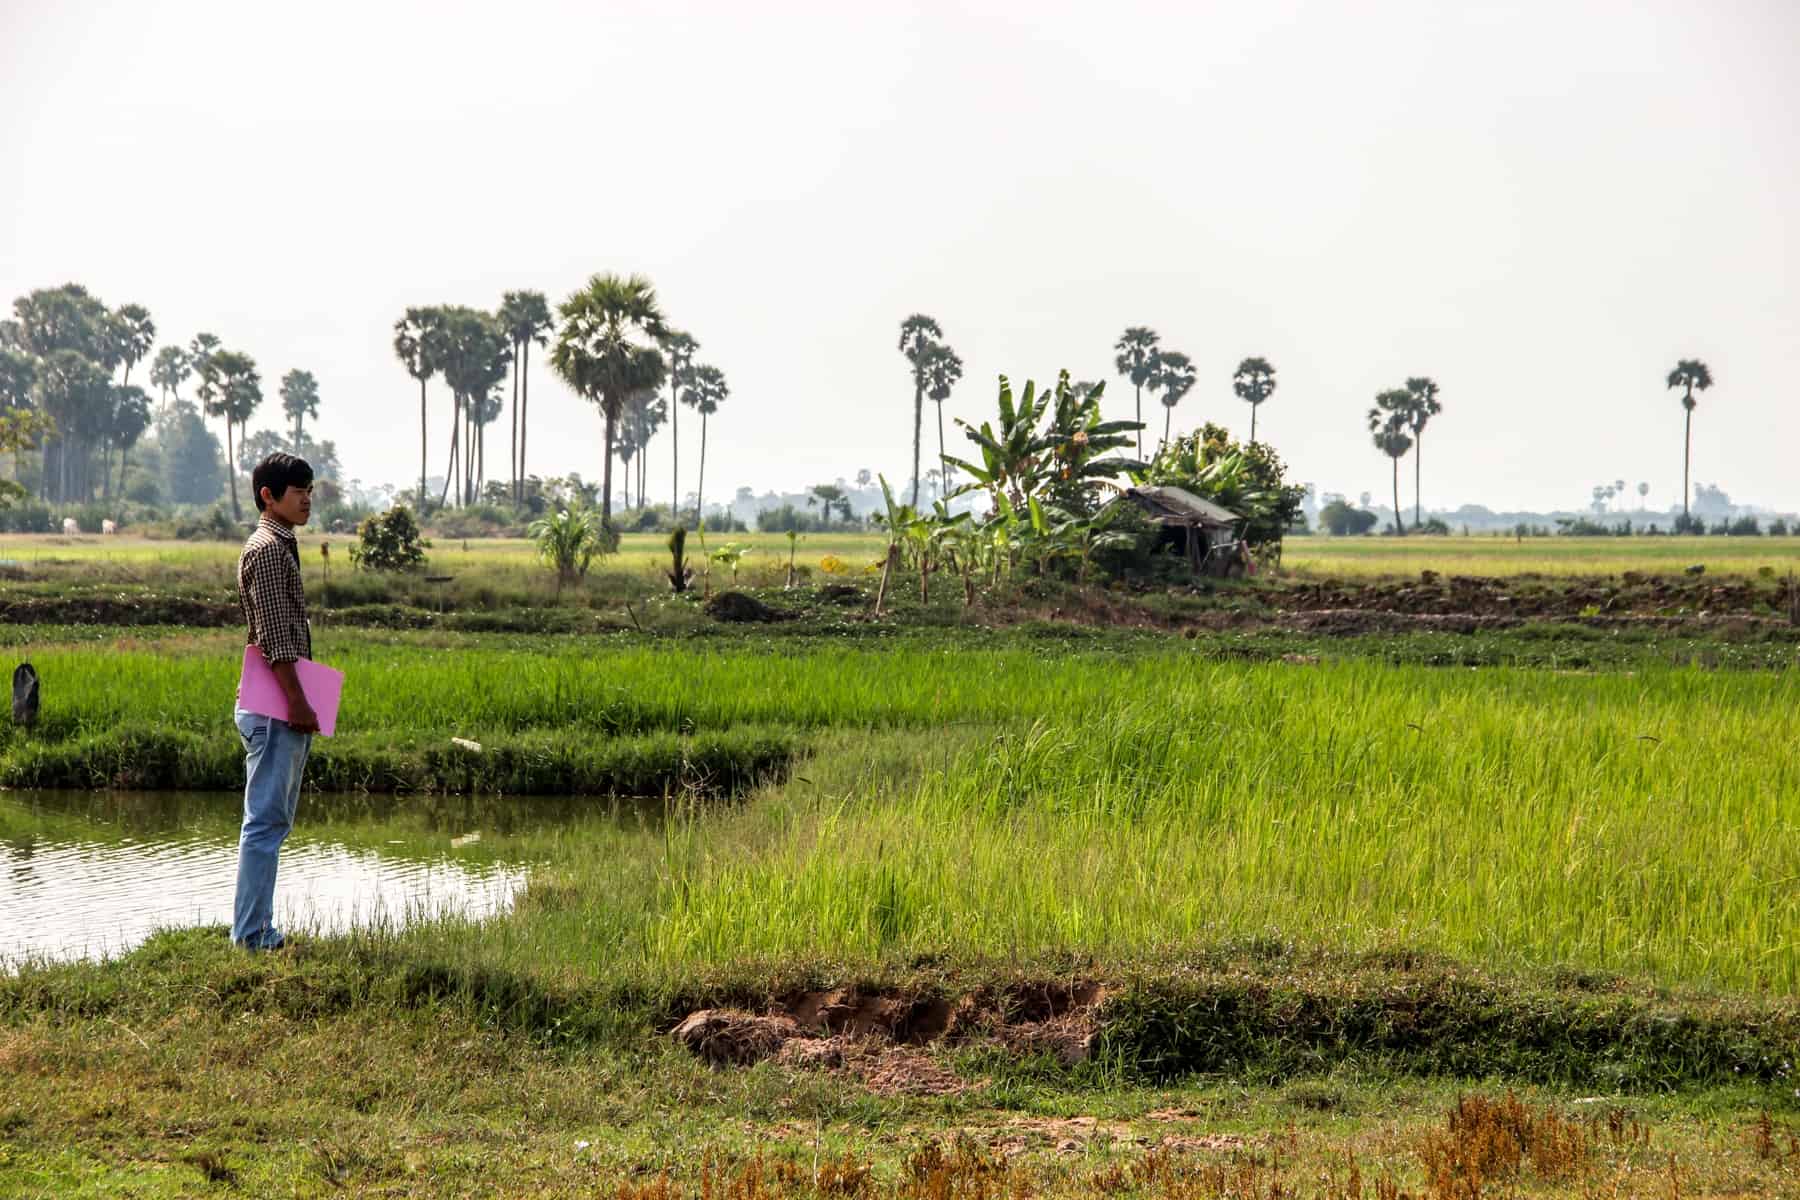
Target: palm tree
x,y
418,344
943,367
1137,362
168,371
1692,375
1254,382
918,333
1422,405
136,334
679,348
1388,422
70,384
201,349
1618,487
706,390
232,390
300,400
645,413
474,354
1174,378
526,318
604,352
130,418
1643,494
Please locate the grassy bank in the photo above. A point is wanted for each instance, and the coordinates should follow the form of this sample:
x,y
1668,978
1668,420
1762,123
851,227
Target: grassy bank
x,y
1312,897
1032,805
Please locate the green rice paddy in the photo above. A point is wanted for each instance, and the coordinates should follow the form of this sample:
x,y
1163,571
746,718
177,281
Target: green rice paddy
x,y
1028,804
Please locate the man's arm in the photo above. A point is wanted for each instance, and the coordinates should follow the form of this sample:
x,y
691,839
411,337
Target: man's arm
x,y
280,629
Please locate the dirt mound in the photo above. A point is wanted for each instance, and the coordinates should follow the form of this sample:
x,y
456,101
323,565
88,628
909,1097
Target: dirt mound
x,y
725,1038
739,608
881,1038
841,593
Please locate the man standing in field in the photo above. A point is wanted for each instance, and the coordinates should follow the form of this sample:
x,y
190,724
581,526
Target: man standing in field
x,y
269,587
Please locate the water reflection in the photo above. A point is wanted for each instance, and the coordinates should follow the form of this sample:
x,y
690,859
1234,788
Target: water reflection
x,y
88,874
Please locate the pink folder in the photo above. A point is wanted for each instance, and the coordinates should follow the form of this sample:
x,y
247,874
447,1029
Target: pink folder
x,y
259,691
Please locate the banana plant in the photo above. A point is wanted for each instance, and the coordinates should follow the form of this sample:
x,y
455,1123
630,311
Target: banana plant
x,y
1062,458
896,518
730,555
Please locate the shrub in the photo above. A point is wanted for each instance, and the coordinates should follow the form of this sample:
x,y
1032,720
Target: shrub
x,y
215,526
28,516
476,521
788,519
1340,520
1778,527
389,541
1688,523
1745,527
569,540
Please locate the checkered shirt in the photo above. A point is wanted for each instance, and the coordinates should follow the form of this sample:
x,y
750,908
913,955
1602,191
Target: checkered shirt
x,y
269,588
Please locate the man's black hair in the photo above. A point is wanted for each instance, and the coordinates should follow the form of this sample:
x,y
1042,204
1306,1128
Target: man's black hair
x,y
278,473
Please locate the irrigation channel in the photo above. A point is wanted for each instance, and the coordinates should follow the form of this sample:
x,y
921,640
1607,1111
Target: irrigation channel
x,y
92,874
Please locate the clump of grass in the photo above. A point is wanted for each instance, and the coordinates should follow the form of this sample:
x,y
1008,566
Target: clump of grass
x,y
529,762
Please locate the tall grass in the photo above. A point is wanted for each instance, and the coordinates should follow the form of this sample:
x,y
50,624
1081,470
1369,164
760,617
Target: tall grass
x,y
1643,825
1033,804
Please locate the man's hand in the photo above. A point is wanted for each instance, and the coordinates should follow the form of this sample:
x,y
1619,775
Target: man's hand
x,y
301,717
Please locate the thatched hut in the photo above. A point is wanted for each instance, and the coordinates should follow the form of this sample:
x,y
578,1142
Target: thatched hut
x,y
1207,535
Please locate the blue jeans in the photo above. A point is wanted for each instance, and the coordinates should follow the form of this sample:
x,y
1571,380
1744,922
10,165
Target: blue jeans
x,y
274,758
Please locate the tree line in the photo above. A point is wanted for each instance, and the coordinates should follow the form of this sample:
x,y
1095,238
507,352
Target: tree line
x,y
58,355
609,341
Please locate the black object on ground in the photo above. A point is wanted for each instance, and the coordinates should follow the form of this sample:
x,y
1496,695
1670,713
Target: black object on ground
x,y
25,695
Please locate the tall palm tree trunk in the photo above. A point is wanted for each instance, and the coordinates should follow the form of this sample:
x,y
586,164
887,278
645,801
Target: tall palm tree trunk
x,y
1399,524
124,462
450,467
422,450
943,462
1140,419
1168,416
700,487
607,457
512,461
524,411
1253,424
1687,450
1418,446
231,473
918,422
675,442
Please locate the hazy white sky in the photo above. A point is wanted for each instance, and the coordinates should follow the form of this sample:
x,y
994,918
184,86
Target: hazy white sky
x,y
1542,205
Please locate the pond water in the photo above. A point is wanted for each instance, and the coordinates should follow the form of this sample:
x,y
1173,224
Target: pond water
x,y
87,874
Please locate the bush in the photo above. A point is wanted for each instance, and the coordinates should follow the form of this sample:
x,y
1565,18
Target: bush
x,y
569,540
477,521
1340,520
1778,527
29,516
1690,524
788,519
1745,527
390,541
215,526
1434,525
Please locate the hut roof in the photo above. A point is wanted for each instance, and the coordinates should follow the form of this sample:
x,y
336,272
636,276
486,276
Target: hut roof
x,y
1178,506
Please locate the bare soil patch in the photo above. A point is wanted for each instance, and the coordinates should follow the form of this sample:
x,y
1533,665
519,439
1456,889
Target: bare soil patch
x,y
883,1038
